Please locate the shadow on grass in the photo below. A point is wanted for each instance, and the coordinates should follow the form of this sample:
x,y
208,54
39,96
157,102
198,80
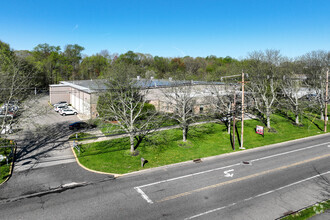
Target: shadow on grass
x,y
104,147
313,122
200,131
285,115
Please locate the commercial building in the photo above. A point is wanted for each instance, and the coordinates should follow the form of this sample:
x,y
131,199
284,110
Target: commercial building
x,y
83,94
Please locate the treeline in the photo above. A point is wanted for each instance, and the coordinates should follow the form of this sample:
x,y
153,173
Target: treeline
x,y
47,64
55,64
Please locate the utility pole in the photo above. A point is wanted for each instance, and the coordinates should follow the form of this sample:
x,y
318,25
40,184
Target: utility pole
x,y
242,128
234,110
326,103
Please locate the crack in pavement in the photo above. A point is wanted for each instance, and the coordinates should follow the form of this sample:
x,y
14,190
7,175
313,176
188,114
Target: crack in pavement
x,y
59,189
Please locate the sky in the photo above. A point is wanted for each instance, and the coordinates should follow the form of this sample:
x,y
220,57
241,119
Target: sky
x,y
169,28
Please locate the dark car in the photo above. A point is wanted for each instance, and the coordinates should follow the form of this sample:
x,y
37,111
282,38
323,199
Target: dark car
x,y
81,125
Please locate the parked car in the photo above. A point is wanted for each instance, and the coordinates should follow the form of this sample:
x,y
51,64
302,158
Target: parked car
x,y
11,106
80,125
57,108
8,110
68,111
60,109
60,103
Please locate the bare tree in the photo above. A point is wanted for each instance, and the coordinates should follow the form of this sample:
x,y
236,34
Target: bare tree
x,y
125,103
292,88
14,84
263,69
316,64
181,99
221,99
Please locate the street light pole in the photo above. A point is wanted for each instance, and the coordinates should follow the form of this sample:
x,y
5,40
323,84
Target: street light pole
x,y
242,128
326,103
234,112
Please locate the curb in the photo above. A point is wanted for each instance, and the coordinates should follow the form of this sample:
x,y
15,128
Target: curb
x,y
302,209
203,158
90,170
224,155
11,167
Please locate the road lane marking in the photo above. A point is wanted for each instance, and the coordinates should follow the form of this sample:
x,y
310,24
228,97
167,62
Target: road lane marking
x,y
288,152
240,179
143,195
228,174
275,190
189,175
229,166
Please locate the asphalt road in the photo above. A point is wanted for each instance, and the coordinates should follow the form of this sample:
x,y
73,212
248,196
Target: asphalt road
x,y
263,183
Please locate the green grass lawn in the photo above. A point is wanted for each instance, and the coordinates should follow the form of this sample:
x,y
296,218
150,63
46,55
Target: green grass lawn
x,y
4,168
110,128
309,212
166,147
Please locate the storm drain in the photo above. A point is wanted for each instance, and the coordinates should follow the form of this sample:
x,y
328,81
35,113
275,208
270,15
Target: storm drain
x,y
246,163
197,160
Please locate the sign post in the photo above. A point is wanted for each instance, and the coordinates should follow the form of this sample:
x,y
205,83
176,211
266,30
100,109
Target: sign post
x,y
260,130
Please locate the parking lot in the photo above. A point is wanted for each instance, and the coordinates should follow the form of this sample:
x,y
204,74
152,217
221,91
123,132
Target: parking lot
x,y
37,112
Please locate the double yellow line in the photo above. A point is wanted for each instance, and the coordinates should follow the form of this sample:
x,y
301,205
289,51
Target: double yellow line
x,y
241,178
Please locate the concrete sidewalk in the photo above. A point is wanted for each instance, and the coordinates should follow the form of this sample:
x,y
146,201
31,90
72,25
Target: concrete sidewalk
x,y
101,137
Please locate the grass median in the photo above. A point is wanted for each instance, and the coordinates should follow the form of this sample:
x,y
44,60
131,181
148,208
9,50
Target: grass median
x,y
166,147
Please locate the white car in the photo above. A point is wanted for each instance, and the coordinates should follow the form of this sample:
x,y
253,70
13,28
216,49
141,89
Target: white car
x,y
60,103
59,107
68,111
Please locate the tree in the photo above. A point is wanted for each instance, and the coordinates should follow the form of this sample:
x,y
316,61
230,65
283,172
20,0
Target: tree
x,y
181,99
263,70
47,58
291,87
16,75
72,53
125,102
316,63
129,58
93,66
162,66
222,97
192,66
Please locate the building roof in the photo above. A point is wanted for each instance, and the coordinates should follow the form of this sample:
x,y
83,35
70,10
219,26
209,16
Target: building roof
x,y
89,86
99,85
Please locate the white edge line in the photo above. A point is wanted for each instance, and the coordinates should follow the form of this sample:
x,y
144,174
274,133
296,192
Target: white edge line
x,y
210,211
288,152
220,168
217,209
143,195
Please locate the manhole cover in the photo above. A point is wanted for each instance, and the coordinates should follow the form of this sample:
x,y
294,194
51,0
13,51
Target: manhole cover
x,y
246,163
